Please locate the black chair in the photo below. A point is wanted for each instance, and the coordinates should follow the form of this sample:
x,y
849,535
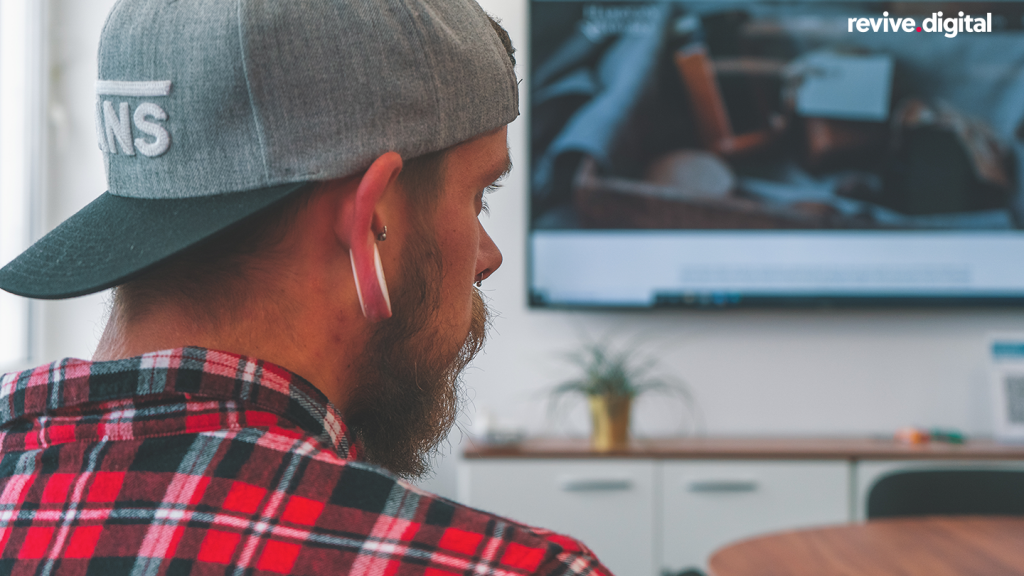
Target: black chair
x,y
686,572
947,492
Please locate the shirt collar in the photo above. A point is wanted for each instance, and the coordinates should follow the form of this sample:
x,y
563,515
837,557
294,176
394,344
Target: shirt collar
x,y
195,372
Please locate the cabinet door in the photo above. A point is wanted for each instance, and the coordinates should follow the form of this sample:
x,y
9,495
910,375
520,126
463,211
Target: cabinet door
x,y
708,504
608,505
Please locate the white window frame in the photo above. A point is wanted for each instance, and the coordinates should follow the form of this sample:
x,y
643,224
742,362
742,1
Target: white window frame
x,y
22,157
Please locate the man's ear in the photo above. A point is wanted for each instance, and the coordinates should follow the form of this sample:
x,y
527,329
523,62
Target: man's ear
x,y
355,228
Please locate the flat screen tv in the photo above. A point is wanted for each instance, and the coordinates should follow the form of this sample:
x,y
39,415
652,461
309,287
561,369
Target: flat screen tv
x,y
733,153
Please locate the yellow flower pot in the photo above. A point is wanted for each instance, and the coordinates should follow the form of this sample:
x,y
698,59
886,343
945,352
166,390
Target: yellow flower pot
x,y
611,422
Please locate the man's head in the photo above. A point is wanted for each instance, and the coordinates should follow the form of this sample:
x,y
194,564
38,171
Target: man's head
x,y
255,154
401,394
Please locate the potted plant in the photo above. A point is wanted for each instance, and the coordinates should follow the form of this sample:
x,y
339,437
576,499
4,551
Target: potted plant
x,y
611,380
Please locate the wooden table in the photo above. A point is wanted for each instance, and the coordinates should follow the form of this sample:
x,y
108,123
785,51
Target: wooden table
x,y
927,546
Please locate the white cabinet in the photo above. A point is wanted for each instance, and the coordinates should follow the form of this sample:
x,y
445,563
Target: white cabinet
x,y
707,504
674,503
606,504
641,517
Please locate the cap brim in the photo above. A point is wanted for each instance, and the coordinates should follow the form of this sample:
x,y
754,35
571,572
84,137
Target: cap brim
x,y
114,239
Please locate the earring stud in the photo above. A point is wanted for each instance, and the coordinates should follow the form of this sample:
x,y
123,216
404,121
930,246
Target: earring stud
x,y
383,235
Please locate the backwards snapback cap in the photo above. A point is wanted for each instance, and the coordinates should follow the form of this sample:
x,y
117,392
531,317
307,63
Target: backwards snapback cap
x,y
211,110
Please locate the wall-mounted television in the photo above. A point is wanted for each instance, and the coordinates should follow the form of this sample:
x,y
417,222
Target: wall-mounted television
x,y
732,153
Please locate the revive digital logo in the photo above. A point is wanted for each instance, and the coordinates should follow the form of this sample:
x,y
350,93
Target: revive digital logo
x,y
934,23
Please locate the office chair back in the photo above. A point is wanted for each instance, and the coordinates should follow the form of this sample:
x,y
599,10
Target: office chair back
x,y
947,492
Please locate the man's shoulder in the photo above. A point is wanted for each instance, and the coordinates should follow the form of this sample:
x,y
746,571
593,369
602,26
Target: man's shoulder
x,y
408,522
207,479
362,515
269,498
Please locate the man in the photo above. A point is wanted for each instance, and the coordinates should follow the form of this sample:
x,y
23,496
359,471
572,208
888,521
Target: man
x,y
292,227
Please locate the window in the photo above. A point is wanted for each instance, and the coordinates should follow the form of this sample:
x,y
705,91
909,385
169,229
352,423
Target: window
x,y
21,105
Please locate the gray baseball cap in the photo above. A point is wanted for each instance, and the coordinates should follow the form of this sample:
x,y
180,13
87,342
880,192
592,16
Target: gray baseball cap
x,y
210,110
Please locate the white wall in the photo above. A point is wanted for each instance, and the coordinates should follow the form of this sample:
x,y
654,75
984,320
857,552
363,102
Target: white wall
x,y
753,372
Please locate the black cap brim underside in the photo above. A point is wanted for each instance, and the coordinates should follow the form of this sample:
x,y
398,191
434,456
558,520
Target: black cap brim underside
x,y
114,239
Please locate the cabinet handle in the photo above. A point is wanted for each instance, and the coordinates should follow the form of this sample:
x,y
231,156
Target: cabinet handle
x,y
719,486
596,484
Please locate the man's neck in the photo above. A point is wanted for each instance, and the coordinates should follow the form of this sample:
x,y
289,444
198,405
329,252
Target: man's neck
x,y
169,328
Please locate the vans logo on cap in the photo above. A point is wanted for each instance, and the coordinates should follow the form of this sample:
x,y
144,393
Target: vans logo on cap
x,y
117,123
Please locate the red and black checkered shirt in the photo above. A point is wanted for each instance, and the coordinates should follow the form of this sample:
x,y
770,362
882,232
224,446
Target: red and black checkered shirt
x,y
191,461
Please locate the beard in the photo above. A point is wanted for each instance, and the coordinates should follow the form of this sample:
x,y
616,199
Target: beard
x,y
409,391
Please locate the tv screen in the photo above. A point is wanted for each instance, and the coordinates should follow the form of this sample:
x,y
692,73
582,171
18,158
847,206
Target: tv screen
x,y
733,153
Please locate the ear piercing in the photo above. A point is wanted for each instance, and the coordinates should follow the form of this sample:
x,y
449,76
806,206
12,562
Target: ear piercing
x,y
479,280
383,235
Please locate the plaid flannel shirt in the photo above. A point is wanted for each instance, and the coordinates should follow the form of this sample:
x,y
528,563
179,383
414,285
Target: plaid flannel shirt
x,y
192,461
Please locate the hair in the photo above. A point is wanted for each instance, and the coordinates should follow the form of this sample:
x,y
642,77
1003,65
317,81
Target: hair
x,y
503,36
214,274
